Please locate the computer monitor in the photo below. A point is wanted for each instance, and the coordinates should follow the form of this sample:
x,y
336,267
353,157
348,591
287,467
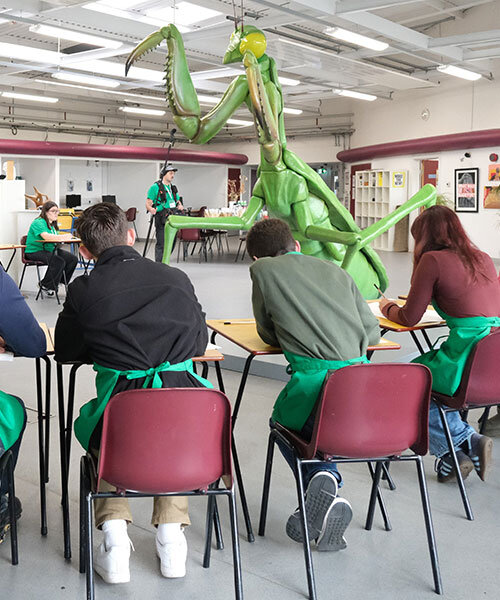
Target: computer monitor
x,y
111,199
73,200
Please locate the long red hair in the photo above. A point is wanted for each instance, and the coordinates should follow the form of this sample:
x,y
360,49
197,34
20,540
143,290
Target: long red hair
x,y
439,228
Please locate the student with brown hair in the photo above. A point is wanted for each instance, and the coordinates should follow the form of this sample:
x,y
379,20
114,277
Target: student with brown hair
x,y
462,284
44,229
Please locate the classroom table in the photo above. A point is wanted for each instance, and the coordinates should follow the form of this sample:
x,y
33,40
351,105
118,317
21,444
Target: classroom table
x,y
12,247
387,325
66,429
243,333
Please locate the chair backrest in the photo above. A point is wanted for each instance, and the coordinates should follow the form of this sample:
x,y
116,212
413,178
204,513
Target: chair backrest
x,y
65,222
24,260
373,410
189,235
131,214
480,382
166,440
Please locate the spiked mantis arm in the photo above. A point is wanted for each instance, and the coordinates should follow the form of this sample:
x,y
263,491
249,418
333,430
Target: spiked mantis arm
x,y
246,220
425,197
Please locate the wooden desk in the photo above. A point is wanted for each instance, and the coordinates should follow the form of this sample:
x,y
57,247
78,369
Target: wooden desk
x,y
243,333
66,426
12,247
387,325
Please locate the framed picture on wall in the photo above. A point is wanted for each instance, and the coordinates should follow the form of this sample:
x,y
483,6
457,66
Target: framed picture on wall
x,y
466,190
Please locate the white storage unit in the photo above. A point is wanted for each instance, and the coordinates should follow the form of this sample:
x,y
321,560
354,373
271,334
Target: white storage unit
x,y
378,193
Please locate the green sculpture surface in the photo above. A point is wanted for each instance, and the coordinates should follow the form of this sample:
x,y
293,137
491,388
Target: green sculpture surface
x,y
286,185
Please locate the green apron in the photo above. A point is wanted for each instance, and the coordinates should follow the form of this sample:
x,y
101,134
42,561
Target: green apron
x,y
297,399
447,363
105,383
11,419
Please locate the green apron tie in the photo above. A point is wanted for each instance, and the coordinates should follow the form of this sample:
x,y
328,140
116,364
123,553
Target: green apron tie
x,y
447,363
297,399
106,380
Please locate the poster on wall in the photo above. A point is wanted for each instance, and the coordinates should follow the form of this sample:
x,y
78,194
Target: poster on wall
x,y
491,197
70,185
90,185
494,174
398,179
466,190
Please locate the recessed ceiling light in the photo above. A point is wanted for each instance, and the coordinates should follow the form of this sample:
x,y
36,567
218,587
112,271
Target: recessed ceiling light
x,y
288,81
357,95
292,111
141,111
29,53
74,36
29,97
131,15
355,38
459,72
88,79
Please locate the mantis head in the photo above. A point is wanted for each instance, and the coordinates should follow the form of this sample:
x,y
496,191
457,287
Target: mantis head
x,y
243,39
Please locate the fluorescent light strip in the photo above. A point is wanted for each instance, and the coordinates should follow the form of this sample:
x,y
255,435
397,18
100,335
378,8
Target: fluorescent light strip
x,y
83,87
459,72
123,14
355,38
288,81
292,111
357,95
239,122
76,78
74,36
184,13
29,97
306,47
141,111
29,53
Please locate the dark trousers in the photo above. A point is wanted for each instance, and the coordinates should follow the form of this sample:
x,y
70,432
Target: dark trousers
x,y
4,485
160,220
58,262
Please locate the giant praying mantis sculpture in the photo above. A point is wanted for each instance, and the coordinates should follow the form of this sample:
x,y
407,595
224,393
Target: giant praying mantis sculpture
x,y
286,185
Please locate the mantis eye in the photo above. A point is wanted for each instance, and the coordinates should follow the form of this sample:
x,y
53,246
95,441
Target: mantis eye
x,y
256,42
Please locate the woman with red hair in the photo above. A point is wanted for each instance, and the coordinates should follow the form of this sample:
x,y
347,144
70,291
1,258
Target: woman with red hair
x,y
462,284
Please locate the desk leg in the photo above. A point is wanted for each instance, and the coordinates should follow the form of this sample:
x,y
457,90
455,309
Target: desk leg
x,y
64,465
426,338
48,381
218,370
41,446
10,261
417,343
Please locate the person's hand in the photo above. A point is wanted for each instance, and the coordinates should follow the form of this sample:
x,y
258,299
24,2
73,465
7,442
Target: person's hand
x,y
383,302
179,206
2,345
152,210
66,237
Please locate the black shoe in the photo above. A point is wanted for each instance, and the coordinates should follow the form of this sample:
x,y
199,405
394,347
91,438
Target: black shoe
x,y
5,516
46,290
446,472
479,448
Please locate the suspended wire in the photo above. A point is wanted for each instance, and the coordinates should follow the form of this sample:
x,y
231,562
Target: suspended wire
x,y
235,17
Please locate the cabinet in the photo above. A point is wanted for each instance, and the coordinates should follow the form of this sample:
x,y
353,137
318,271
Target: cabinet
x,y
378,193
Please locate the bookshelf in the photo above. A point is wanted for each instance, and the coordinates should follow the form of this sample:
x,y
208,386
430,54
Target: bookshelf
x,y
378,193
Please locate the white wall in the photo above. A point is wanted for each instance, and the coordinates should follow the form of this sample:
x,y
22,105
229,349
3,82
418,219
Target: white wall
x,y
202,185
80,171
39,172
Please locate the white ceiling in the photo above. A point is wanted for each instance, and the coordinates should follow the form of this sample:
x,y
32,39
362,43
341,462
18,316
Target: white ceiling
x,y
421,36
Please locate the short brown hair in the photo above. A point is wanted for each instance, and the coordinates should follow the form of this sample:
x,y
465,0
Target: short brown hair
x,y
102,226
270,237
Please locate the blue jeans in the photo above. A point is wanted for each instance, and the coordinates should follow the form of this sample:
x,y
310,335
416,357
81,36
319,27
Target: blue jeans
x,y
460,431
308,469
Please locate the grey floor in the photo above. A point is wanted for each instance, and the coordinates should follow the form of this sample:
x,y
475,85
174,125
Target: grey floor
x,y
376,564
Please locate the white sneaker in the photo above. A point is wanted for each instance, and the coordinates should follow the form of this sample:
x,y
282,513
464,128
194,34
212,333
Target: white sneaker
x,y
112,563
173,556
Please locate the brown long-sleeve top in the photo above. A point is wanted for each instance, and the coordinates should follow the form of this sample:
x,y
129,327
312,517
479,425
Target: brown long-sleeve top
x,y
442,276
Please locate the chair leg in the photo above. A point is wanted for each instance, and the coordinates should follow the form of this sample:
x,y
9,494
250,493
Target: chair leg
x,y
303,521
84,490
89,548
241,488
238,253
22,276
381,503
267,484
41,444
483,418
40,293
387,476
429,527
373,495
238,585
219,540
208,530
12,512
458,474
136,234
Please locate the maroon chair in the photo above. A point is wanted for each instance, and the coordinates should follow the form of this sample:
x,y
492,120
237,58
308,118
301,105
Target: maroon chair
x,y
191,236
131,214
29,263
7,469
479,388
190,426
366,413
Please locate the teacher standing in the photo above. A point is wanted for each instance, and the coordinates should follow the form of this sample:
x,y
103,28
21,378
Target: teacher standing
x,y
162,201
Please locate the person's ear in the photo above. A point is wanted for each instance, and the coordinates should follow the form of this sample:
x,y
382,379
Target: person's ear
x,y
130,237
297,246
87,255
